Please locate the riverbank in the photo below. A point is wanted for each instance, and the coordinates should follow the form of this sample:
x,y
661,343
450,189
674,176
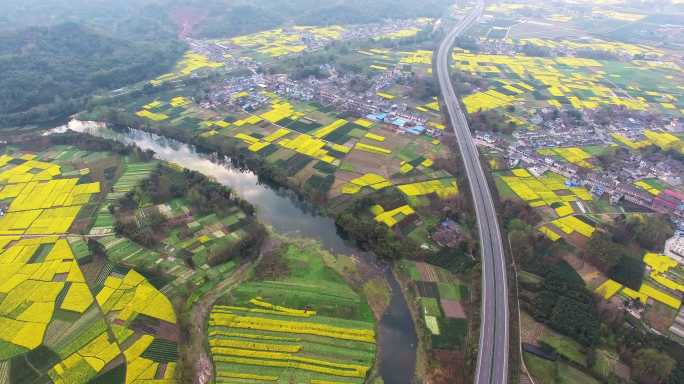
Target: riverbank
x,y
289,216
414,210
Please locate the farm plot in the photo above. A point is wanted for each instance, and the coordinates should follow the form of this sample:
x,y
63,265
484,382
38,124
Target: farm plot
x,y
572,155
40,275
191,63
144,323
664,283
185,237
307,326
569,82
664,140
49,312
554,191
49,318
40,202
382,60
133,174
441,299
280,42
54,327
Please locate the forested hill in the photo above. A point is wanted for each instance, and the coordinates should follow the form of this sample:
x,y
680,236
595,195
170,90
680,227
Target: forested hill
x,y
47,72
220,19
56,53
145,19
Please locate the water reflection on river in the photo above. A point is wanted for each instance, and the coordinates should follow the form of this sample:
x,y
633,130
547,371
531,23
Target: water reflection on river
x,y
287,214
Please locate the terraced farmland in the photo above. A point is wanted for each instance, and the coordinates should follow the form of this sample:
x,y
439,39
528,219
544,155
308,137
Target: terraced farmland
x,y
308,326
132,174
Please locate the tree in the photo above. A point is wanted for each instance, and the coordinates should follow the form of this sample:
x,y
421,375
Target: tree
x,y
629,271
423,88
576,319
651,366
677,375
603,252
567,306
523,252
653,232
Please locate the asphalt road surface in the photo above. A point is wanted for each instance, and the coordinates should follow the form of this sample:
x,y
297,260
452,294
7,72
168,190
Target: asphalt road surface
x,y
492,360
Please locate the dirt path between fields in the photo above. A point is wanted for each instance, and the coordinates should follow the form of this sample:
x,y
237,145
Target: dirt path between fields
x,y
202,366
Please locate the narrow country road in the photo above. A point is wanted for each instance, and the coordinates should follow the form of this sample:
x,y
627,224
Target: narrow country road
x,y
203,365
492,361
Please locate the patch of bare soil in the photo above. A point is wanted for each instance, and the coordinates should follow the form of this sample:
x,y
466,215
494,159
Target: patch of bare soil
x,y
186,18
453,309
427,272
530,329
660,316
450,369
590,274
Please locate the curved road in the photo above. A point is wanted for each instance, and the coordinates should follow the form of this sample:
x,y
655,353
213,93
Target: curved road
x,y
492,360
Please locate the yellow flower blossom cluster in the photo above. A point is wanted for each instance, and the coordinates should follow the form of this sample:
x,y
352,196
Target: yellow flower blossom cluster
x,y
151,115
571,224
416,57
392,217
442,188
372,180
622,16
647,187
40,205
608,289
544,190
133,295
29,289
287,326
281,41
96,354
572,155
584,89
372,149
191,62
553,236
594,44
280,110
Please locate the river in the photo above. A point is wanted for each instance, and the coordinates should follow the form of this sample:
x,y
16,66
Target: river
x,y
287,215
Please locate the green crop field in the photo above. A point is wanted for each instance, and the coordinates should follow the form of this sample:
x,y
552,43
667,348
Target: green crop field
x,y
441,297
566,347
305,325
